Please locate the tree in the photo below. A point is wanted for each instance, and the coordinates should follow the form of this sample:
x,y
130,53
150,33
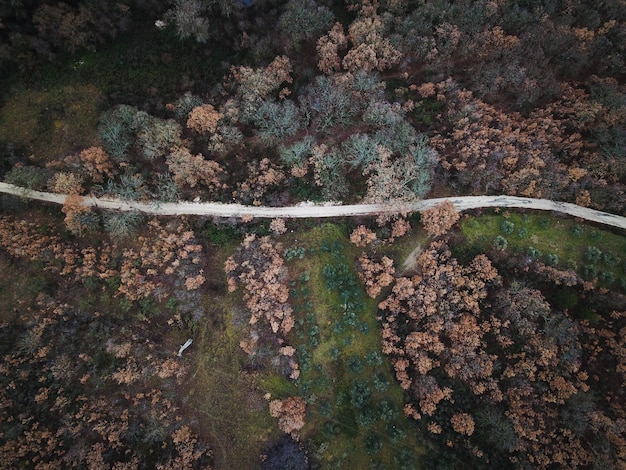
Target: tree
x,y
440,219
97,163
304,20
189,20
290,412
203,119
78,217
191,170
375,275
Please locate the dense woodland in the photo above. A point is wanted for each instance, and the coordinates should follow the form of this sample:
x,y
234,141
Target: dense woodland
x,y
425,341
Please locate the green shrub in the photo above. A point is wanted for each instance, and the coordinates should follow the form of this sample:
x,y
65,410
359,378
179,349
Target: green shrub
x,y
156,137
330,430
373,444
387,410
324,406
590,271
360,394
304,20
275,121
185,104
552,259
28,176
577,231
607,277
354,364
533,252
507,227
522,233
130,187
327,104
361,150
166,189
373,358
366,416
335,353
592,254
122,224
380,382
500,243
117,131
610,259
395,432
296,154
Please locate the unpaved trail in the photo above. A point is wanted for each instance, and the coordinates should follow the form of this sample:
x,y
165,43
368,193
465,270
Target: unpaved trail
x,y
323,210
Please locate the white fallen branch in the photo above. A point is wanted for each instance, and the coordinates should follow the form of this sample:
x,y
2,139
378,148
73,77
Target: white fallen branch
x,y
184,346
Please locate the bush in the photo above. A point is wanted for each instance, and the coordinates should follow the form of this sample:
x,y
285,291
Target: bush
x,y
533,252
522,232
500,243
304,20
552,259
330,430
577,231
296,154
116,131
373,358
30,177
380,382
361,150
610,259
354,364
275,121
366,416
395,432
121,224
592,254
607,277
157,137
590,271
325,407
184,105
327,104
373,444
188,16
360,394
387,410
129,188
507,227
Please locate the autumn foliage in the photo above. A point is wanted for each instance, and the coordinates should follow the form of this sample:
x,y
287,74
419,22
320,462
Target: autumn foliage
x,y
290,413
260,269
479,358
440,219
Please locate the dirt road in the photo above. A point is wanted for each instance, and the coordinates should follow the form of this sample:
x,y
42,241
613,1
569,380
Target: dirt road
x,y
323,210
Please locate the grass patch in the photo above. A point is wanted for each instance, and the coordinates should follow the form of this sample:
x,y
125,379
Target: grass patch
x,y
555,241
50,123
227,399
354,414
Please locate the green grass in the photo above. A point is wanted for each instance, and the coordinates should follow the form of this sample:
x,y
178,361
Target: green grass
x,y
557,240
333,350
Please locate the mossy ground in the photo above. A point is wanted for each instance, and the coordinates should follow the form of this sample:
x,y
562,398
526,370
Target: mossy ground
x,y
354,403
558,241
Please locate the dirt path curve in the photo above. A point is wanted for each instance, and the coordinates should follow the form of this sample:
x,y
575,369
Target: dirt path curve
x,y
323,210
